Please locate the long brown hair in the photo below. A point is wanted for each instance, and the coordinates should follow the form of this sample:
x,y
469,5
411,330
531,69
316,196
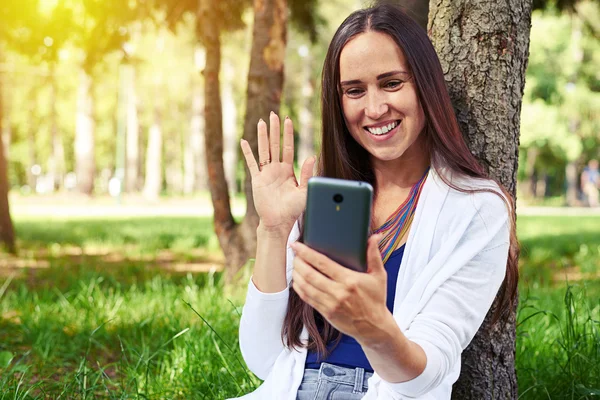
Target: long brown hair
x,y
342,157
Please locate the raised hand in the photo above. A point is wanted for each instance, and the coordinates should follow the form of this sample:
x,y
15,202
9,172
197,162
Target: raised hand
x,y
279,197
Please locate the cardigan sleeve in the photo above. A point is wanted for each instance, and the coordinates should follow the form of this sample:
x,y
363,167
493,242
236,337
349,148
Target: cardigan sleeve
x,y
456,309
262,321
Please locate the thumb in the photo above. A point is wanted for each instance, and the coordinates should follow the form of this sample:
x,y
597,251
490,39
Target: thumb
x,y
374,262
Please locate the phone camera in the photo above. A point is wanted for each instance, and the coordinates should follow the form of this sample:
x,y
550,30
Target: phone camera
x,y
338,198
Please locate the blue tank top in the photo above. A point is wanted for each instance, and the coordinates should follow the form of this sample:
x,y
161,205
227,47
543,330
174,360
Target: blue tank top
x,y
348,352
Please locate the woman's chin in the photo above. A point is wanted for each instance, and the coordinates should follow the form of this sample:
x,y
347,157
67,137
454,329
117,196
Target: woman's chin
x,y
386,156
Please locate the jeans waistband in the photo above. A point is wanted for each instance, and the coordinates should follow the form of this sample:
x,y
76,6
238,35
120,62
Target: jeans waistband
x,y
356,377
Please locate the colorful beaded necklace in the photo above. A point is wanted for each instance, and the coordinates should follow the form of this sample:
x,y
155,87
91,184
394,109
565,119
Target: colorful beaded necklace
x,y
399,222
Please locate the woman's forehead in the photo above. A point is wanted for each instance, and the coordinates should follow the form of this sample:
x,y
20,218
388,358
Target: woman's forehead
x,y
370,54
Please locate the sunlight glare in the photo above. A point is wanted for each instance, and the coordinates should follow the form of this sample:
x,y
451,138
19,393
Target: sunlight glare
x,y
47,6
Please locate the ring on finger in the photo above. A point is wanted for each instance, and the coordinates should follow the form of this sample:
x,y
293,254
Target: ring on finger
x,y
263,163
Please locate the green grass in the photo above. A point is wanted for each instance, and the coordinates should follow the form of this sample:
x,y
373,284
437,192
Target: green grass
x,y
558,344
94,310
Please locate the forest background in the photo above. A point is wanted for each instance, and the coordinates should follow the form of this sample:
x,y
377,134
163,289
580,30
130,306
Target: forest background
x,y
115,288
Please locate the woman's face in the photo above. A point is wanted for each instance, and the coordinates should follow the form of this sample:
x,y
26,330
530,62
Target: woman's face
x,y
379,98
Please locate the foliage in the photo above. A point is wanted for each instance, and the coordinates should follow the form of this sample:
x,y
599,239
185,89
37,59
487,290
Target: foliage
x,y
561,106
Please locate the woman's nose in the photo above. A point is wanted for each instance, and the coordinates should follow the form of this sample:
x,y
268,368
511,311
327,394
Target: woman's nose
x,y
376,105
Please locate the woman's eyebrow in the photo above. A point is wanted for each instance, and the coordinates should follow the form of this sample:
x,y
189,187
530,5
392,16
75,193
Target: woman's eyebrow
x,y
379,77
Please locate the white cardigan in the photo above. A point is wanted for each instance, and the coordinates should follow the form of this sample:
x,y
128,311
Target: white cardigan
x,y
453,265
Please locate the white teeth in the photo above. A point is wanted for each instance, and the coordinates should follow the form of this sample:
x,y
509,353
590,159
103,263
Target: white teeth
x,y
383,130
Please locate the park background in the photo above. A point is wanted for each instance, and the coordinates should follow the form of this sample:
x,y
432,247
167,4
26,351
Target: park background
x,y
112,282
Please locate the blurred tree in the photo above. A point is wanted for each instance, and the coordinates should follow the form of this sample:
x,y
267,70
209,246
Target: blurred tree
x,y
45,30
561,112
265,81
13,14
100,27
483,48
265,85
195,153
154,159
7,233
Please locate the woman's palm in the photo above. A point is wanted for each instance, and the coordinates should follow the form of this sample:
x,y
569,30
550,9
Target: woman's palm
x,y
278,197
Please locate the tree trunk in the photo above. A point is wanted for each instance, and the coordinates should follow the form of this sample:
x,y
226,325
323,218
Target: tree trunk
x,y
199,128
231,143
85,162
194,157
7,232
173,163
6,138
225,226
265,85
577,54
265,82
195,152
31,150
56,169
483,48
132,170
572,183
529,181
153,182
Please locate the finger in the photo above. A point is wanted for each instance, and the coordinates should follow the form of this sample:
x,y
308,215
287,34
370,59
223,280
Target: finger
x,y
288,141
321,262
308,293
274,136
250,160
374,261
316,278
263,142
307,170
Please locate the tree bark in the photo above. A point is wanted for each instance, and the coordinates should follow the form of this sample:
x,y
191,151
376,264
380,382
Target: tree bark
x,y
7,232
85,162
483,48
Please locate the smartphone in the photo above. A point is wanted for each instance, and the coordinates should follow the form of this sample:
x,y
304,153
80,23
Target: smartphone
x,y
338,219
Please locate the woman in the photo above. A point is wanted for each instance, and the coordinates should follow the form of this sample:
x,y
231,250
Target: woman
x,y
313,329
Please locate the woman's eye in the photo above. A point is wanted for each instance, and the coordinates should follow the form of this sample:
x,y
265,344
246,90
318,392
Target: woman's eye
x,y
393,84
354,92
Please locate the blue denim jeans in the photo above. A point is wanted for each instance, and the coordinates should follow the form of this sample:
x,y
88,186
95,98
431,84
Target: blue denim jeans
x,y
332,382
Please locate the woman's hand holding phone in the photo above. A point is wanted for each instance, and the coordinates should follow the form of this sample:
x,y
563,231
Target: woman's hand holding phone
x,y
279,197
353,302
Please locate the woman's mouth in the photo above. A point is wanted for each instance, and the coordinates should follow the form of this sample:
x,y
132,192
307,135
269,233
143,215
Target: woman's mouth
x,y
383,132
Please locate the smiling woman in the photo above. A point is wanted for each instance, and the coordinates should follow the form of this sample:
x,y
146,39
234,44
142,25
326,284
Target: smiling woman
x,y
381,107
313,329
